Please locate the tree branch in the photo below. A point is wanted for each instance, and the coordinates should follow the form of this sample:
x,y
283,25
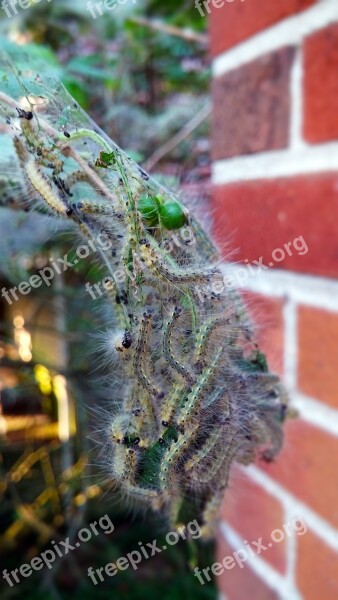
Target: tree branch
x,y
179,137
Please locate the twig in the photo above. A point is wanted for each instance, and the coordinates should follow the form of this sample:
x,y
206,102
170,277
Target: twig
x,y
186,34
179,137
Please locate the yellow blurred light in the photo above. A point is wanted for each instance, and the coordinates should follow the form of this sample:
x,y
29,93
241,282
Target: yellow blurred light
x,y
93,491
18,321
80,499
43,379
22,338
60,391
3,424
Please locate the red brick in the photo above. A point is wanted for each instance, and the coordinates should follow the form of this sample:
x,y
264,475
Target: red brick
x,y
254,514
240,584
263,215
317,568
252,106
321,85
267,317
307,467
238,20
318,351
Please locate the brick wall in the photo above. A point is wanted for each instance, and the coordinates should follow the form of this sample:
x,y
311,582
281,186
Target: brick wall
x,y
275,180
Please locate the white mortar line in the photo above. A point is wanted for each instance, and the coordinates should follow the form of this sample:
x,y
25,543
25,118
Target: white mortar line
x,y
307,290
290,344
320,526
302,159
296,102
316,413
290,31
263,569
300,290
291,556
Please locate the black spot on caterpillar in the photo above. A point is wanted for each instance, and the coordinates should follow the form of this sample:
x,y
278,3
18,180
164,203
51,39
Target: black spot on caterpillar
x,y
24,114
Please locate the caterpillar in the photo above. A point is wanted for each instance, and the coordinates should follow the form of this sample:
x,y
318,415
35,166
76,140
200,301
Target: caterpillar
x,y
74,178
212,505
167,349
119,427
177,276
203,336
205,450
44,155
89,207
140,357
21,152
113,293
216,467
169,405
171,456
44,190
194,399
147,419
124,463
29,132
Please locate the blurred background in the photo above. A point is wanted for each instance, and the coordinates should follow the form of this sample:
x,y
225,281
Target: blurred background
x,y
233,105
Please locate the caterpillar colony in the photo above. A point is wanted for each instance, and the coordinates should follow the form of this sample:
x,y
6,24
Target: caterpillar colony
x,y
190,391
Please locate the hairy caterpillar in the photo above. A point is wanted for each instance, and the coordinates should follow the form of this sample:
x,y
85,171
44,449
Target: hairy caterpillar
x,y
203,336
191,394
214,467
74,178
203,452
119,427
177,276
44,190
140,356
170,457
125,461
167,349
212,505
96,208
170,403
194,399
